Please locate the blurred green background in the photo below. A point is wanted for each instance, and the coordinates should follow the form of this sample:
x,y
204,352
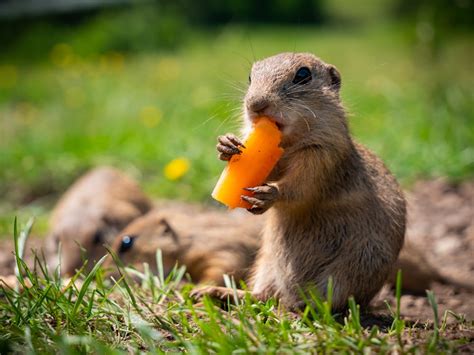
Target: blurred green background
x,y
147,87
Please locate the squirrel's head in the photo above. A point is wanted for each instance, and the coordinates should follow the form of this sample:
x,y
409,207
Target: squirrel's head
x,y
139,241
297,90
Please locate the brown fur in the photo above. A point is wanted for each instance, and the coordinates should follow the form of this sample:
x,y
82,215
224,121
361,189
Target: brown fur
x,y
334,209
91,212
209,243
418,273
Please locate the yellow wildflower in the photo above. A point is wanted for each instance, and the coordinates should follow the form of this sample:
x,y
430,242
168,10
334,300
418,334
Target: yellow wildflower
x,y
176,168
62,55
113,61
150,116
167,69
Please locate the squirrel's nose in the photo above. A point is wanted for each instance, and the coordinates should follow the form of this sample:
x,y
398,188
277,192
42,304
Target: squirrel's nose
x,y
258,104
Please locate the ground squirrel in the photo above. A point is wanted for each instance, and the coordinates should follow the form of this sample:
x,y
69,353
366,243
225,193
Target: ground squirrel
x,y
209,243
90,213
332,208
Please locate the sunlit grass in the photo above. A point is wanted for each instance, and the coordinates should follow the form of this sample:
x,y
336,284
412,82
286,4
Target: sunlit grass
x,y
93,314
139,112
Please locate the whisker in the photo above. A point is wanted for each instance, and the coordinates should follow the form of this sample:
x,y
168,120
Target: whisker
x,y
299,115
304,106
234,116
212,117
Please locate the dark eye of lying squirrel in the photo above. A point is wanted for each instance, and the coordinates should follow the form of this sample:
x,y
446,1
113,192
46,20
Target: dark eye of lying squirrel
x,y
127,243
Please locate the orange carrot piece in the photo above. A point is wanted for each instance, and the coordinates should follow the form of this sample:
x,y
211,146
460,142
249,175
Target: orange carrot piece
x,y
252,167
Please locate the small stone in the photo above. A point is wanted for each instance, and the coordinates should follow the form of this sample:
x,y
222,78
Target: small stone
x,y
447,245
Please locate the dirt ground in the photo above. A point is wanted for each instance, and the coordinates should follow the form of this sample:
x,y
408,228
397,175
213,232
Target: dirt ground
x,y
441,223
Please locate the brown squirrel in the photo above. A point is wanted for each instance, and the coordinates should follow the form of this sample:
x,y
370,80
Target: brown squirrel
x,y
333,209
209,243
91,212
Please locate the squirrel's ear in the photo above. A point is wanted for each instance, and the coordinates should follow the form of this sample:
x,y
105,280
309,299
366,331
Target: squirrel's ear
x,y
335,78
168,230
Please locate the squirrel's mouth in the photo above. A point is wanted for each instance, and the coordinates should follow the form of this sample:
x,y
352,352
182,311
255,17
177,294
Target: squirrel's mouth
x,y
277,121
280,126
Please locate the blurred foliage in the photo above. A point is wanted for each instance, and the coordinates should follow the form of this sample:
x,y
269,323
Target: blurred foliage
x,y
127,29
143,26
443,14
435,22
165,24
248,11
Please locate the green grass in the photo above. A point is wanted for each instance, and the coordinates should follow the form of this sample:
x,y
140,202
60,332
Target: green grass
x,y
92,314
63,113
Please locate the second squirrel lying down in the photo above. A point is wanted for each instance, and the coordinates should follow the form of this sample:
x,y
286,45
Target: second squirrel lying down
x,y
90,214
209,243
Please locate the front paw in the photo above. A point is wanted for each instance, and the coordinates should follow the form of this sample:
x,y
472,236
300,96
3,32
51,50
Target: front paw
x,y
262,199
228,145
217,293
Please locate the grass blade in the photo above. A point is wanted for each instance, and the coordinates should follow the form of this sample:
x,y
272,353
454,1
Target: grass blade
x,y
86,284
159,264
434,305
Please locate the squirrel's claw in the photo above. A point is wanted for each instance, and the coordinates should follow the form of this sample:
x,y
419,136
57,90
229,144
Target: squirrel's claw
x,y
216,292
228,145
262,199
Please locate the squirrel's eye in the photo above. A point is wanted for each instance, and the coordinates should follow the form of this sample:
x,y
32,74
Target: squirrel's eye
x,y
127,243
303,76
250,79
